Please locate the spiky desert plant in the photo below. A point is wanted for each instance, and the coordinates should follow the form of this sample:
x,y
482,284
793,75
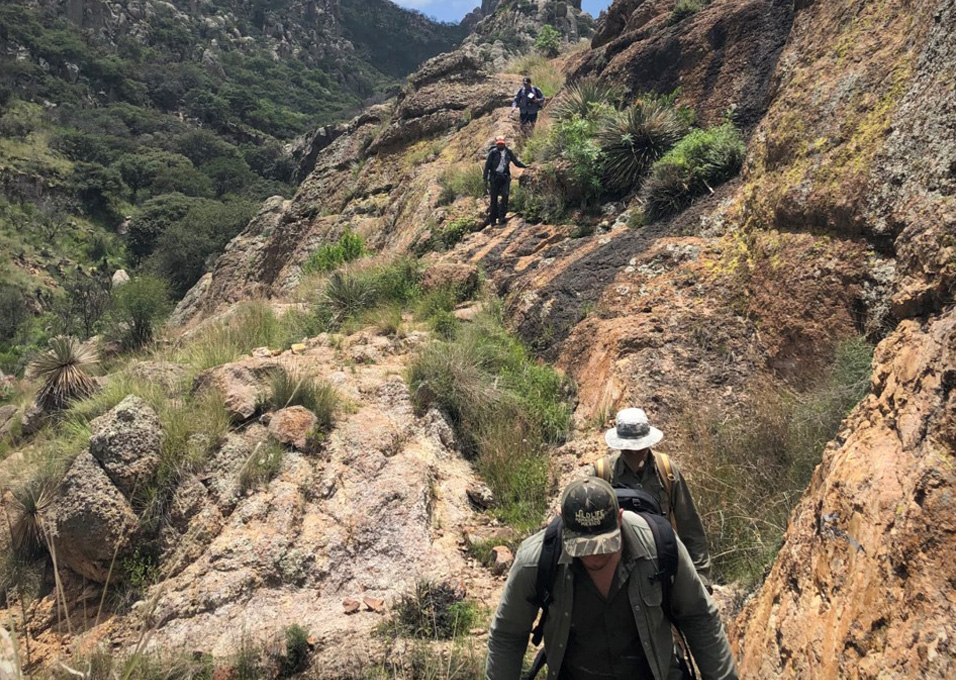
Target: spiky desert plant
x,y
30,505
636,137
584,97
62,368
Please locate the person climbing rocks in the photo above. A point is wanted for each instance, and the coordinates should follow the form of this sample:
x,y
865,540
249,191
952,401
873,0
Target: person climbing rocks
x,y
609,611
528,100
639,467
497,178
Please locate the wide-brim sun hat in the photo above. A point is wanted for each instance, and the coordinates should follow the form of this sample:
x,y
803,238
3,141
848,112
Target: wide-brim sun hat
x,y
632,431
589,513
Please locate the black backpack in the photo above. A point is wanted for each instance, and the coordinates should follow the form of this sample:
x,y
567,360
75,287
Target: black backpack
x,y
635,500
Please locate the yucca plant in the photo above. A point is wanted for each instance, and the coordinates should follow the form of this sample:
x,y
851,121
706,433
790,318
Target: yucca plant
x,y
634,139
63,371
584,97
31,503
347,294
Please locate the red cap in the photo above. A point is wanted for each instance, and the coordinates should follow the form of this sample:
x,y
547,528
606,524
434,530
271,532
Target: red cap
x,y
500,139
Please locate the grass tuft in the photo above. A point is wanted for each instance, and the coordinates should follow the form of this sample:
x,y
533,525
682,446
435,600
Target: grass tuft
x,y
750,471
432,611
457,182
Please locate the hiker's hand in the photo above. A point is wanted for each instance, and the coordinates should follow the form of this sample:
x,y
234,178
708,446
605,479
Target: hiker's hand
x,y
487,189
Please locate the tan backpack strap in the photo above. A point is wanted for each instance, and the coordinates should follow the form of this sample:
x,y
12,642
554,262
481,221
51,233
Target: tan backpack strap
x,y
666,474
602,468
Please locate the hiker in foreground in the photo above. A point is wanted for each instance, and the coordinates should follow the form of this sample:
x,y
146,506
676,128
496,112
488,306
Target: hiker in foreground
x,y
637,466
528,100
497,178
614,585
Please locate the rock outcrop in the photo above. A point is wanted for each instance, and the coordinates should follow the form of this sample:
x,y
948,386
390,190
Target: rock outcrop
x,y
128,442
92,520
864,585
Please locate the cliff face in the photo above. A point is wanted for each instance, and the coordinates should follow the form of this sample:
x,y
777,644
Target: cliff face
x,y
865,582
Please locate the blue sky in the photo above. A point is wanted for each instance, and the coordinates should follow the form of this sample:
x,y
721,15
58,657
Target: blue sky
x,y
454,10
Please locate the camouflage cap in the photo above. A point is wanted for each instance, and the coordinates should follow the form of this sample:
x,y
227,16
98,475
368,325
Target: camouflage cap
x,y
589,509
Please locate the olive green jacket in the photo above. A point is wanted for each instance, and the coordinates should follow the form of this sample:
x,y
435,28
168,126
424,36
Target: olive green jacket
x,y
680,503
691,609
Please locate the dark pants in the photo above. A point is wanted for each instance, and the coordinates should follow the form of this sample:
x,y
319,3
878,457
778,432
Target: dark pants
x,y
529,118
500,187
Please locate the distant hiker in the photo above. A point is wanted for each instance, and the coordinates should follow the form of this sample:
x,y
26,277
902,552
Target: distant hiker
x,y
638,467
498,175
607,598
528,100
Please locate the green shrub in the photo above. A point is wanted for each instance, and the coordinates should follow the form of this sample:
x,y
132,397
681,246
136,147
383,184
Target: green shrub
x,y
587,98
635,138
548,41
448,234
350,292
432,611
298,651
505,409
749,471
138,307
698,162
458,181
63,372
329,256
685,8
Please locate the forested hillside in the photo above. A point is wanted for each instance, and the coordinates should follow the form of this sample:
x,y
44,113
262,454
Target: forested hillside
x,y
144,135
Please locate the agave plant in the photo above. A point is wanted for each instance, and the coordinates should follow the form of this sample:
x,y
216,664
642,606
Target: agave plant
x,y
30,505
63,371
633,139
584,97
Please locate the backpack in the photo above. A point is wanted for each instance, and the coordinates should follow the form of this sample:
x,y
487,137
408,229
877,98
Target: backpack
x,y
665,473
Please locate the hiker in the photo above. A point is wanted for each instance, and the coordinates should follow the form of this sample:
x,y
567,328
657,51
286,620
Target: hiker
x,y
498,175
528,100
607,611
637,466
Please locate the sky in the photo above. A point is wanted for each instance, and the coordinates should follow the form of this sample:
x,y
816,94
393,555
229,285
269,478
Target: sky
x,y
454,10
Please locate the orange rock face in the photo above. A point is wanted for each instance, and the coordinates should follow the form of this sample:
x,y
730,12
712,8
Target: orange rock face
x,y
865,586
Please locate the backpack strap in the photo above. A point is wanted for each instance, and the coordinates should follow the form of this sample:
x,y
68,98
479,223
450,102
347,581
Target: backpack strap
x,y
544,579
665,472
602,468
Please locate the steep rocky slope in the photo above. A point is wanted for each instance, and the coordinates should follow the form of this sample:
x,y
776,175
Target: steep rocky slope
x,y
841,224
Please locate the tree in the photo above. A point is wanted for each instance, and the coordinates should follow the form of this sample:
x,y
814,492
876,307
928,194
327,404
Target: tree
x,y
548,41
85,301
156,216
138,306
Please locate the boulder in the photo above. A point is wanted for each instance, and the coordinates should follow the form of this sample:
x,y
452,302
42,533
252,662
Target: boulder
x,y
503,558
120,278
34,418
91,519
8,418
291,426
171,377
242,385
463,277
480,496
127,441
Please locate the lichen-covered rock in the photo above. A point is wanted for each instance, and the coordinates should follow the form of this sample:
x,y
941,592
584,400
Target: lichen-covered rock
x,y
463,277
8,418
168,375
292,425
243,385
91,519
128,442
